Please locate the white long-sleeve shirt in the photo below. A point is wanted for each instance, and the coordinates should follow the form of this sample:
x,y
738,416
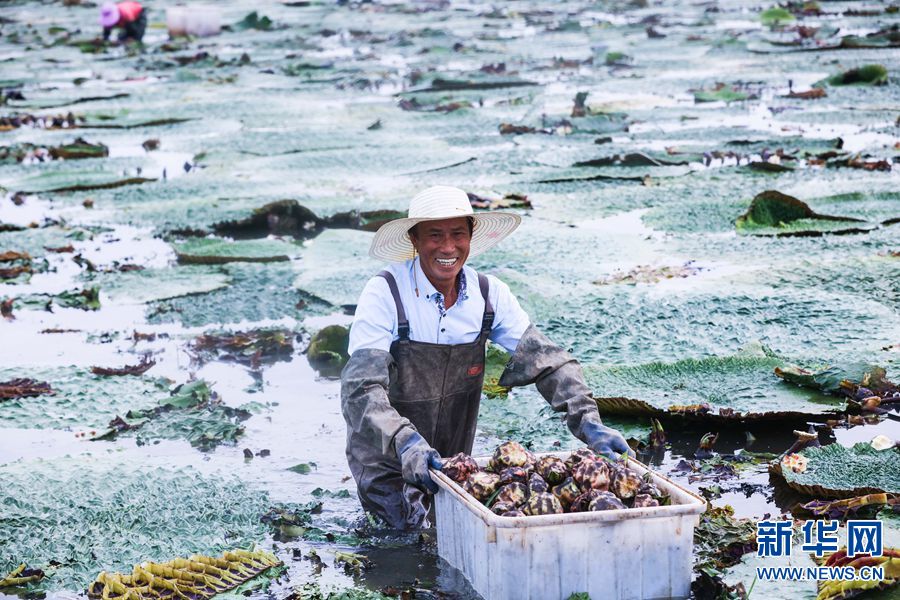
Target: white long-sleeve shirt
x,y
375,322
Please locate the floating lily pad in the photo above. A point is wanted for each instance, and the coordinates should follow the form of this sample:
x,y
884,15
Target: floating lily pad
x,y
526,417
835,471
191,412
777,214
634,159
254,21
775,16
721,93
212,251
828,379
731,388
151,285
87,298
253,348
865,75
327,352
86,514
80,399
257,292
336,265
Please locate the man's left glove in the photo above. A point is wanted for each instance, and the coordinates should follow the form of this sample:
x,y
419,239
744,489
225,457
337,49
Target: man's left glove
x,y
416,456
605,440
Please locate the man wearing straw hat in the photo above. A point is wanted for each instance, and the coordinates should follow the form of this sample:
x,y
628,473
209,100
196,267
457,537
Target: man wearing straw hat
x,y
411,389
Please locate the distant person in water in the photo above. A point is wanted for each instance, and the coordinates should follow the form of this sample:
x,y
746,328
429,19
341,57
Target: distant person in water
x,y
129,16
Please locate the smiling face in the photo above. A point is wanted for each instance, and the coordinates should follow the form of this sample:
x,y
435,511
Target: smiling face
x,y
443,248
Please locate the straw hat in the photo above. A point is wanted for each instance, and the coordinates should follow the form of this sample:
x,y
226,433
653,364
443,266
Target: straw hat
x,y
392,243
109,14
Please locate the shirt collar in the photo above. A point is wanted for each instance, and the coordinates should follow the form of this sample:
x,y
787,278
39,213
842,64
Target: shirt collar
x,y
428,291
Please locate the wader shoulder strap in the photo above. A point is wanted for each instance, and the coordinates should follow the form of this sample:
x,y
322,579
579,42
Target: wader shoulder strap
x,y
487,321
402,322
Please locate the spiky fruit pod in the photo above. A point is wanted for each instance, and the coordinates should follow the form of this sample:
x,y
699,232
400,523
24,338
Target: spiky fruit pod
x,y
624,483
566,492
644,501
591,475
606,501
498,508
552,469
513,474
536,484
482,485
581,502
514,493
543,504
579,455
459,466
509,454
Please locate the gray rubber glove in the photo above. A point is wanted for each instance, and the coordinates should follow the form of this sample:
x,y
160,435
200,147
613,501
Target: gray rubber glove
x,y
605,440
416,456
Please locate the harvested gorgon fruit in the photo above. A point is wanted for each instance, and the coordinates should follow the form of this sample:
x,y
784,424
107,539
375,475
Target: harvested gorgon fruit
x,y
515,483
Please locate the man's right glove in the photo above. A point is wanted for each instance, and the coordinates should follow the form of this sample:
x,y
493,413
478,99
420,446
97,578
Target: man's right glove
x,y
605,440
416,456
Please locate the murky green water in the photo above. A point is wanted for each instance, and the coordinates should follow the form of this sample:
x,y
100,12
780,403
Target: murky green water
x,y
319,109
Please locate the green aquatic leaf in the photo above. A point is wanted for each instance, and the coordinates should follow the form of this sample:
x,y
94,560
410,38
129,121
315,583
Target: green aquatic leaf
x,y
774,213
215,251
75,516
720,539
153,285
336,266
865,75
835,471
81,399
827,379
721,93
327,352
188,395
303,468
739,386
257,292
204,427
775,16
254,21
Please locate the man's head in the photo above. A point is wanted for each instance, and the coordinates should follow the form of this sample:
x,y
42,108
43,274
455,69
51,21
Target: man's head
x,y
443,247
400,239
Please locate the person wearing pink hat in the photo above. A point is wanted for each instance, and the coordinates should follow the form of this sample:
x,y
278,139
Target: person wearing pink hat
x,y
130,16
412,387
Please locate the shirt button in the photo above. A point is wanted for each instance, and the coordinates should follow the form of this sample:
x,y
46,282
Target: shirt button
x,y
443,330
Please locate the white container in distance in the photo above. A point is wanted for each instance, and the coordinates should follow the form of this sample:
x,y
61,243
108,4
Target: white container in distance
x,y
200,20
176,17
636,553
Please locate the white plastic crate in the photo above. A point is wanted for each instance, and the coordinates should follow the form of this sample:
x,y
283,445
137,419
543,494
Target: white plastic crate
x,y
624,554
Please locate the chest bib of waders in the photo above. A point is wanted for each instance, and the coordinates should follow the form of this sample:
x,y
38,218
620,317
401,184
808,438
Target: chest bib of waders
x,y
438,388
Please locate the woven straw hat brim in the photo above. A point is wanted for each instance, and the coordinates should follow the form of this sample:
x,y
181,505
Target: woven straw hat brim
x,y
392,243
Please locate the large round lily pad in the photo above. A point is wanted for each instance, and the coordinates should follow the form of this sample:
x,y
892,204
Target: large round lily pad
x,y
78,515
835,471
216,251
336,265
731,388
